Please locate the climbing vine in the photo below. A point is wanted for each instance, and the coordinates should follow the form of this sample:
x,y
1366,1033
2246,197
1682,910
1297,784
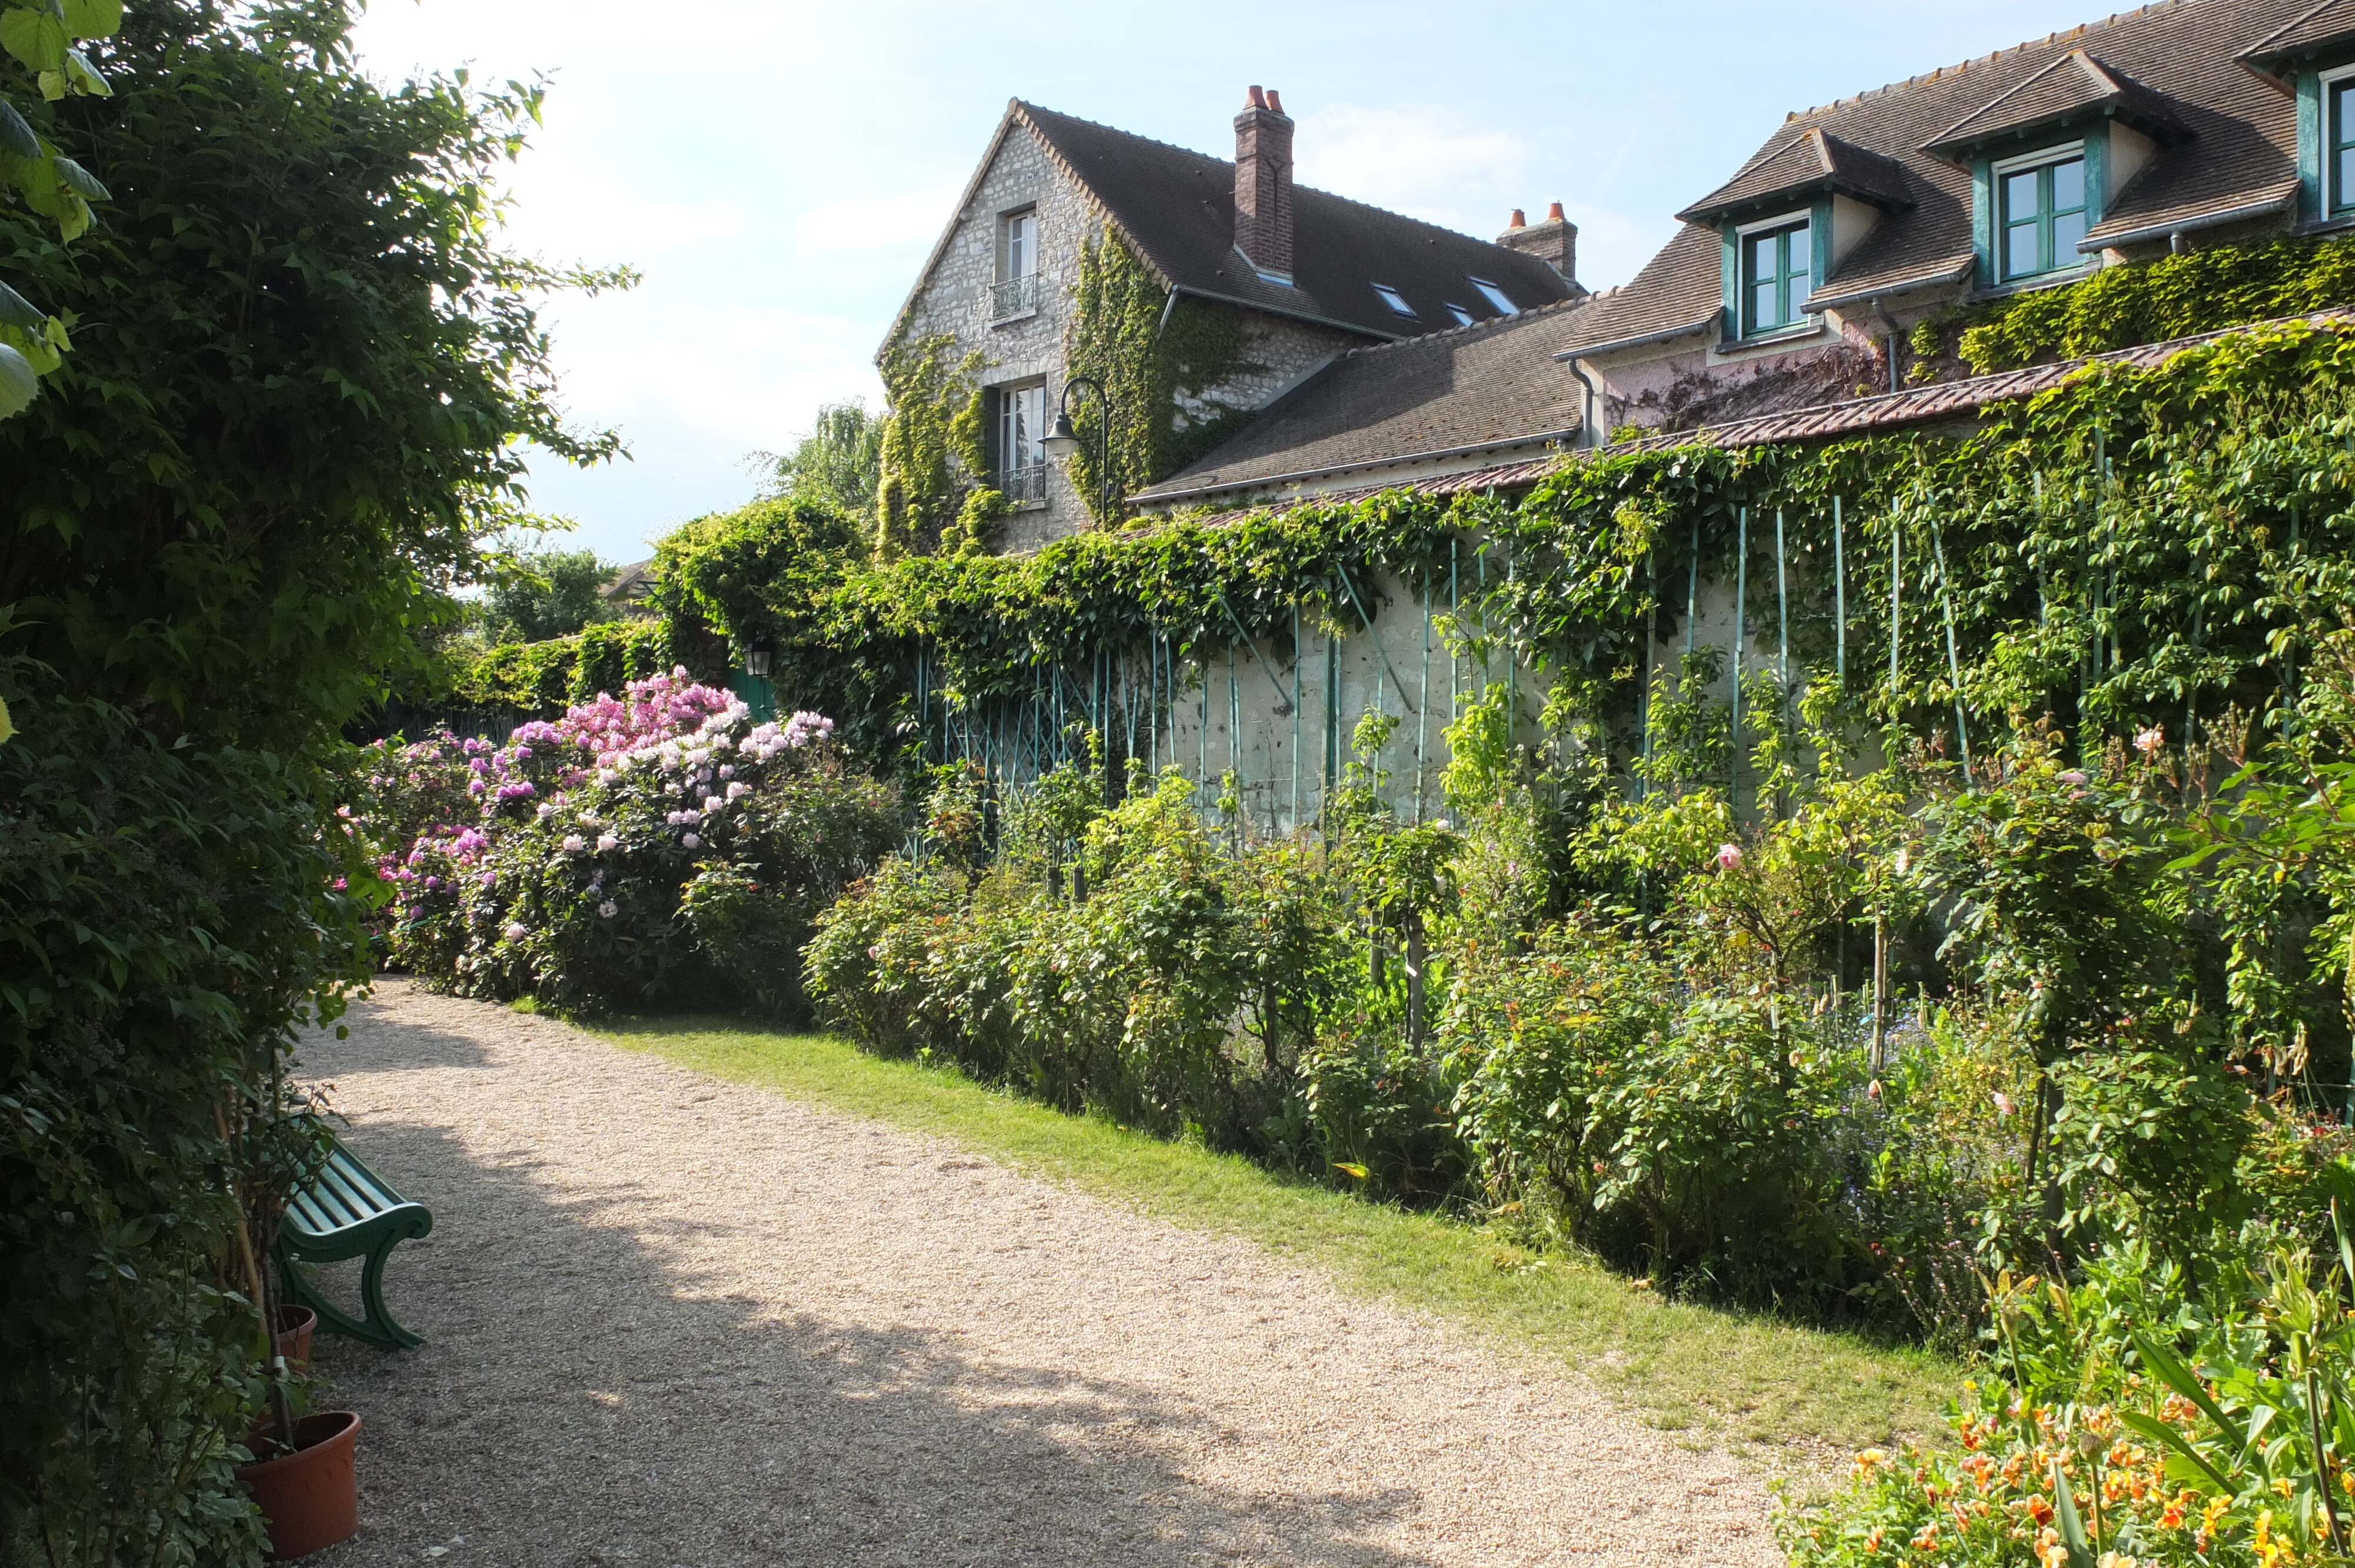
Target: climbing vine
x,y
2138,548
932,449
1160,363
2145,301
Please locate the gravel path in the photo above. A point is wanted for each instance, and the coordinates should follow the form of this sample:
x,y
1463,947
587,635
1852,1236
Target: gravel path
x,y
672,1321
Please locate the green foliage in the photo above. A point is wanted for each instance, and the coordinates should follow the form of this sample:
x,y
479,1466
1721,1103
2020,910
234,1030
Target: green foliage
x,y
303,378
41,35
547,594
545,678
2149,302
930,451
1159,365
838,464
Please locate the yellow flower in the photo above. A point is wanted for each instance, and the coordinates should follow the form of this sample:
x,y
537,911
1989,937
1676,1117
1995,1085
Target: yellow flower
x,y
6,728
2282,1487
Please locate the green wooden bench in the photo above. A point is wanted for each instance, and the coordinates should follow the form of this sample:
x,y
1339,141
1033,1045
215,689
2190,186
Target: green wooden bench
x,y
349,1211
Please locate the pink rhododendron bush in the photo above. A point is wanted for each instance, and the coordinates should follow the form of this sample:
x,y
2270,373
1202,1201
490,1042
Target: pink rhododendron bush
x,y
660,849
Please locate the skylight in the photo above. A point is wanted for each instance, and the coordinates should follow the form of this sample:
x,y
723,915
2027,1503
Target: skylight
x,y
1463,317
1495,296
1394,300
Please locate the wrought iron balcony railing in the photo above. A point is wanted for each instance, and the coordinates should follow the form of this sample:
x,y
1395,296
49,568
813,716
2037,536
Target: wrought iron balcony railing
x,y
1024,483
1014,297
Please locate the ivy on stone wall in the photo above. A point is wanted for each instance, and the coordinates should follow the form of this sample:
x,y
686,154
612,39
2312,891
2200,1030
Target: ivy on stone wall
x,y
1161,364
2138,548
934,451
546,677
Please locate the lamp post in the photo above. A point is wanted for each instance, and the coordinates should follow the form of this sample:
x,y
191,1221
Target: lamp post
x,y
1062,442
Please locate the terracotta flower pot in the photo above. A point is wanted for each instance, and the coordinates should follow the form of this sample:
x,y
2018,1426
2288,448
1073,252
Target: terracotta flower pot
x,y
294,1326
311,1497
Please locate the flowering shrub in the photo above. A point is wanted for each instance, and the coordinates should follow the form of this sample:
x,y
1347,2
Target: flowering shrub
x,y
655,849
2128,1422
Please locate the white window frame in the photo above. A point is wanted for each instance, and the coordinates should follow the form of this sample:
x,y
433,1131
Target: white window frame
x,y
2020,164
2326,154
1031,488
1810,322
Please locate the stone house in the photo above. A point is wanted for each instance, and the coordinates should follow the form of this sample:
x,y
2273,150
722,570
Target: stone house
x,y
1308,277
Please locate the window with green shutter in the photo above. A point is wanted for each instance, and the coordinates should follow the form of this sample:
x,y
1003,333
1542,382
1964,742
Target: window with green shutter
x,y
2042,214
2339,143
1778,273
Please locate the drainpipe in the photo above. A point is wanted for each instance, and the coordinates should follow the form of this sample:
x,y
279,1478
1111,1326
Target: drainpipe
x,y
2176,243
1881,309
1588,434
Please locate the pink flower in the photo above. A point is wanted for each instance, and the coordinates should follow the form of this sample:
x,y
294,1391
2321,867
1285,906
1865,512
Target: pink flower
x,y
691,841
1729,857
738,790
574,844
606,841
2003,1105
712,802
517,931
2148,741
2074,776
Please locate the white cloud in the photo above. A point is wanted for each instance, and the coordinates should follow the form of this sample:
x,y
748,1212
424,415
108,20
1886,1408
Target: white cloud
x,y
1418,159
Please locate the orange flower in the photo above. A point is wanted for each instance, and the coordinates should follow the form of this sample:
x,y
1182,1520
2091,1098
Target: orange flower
x,y
2040,1510
1872,1541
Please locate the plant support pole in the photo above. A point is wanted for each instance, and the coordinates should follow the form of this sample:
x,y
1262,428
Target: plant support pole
x,y
1954,654
1839,598
1741,612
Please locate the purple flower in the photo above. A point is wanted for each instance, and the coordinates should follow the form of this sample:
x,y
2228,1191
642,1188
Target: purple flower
x,y
490,879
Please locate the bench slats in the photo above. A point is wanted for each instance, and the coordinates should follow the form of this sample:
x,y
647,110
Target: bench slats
x,y
336,1183
346,1211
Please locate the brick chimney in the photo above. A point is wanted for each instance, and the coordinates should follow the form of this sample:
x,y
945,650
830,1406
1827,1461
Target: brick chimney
x,y
1263,184
1555,239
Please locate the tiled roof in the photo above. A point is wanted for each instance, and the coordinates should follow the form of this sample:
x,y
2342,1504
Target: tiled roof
x,y
1178,208
1504,476
2330,23
1488,386
1921,405
2240,148
1892,410
1811,161
2073,84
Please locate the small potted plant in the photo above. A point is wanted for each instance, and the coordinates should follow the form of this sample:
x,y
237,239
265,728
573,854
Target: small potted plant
x,y
304,1476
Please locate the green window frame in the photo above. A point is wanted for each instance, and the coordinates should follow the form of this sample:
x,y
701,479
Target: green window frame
x,y
1778,273
2042,210
2338,141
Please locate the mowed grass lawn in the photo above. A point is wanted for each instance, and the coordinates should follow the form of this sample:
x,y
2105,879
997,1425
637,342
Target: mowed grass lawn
x,y
1727,1376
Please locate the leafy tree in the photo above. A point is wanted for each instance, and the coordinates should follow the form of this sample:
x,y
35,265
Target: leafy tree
x,y
552,593
41,35
838,463
303,380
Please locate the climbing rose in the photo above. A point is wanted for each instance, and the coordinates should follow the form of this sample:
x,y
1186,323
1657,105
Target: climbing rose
x,y
2148,741
2002,1103
1729,857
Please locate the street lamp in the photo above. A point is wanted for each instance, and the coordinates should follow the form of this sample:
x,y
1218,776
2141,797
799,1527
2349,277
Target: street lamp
x,y
1062,442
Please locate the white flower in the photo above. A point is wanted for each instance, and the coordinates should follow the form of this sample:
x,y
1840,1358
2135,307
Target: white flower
x,y
712,802
606,841
574,844
608,909
728,771
547,809
691,842
517,931
739,790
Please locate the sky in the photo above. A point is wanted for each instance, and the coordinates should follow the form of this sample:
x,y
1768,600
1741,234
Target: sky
x,y
779,172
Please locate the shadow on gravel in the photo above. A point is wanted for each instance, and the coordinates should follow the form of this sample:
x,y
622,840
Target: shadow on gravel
x,y
577,1404
406,1049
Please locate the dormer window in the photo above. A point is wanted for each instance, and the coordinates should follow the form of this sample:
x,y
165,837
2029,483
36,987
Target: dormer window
x,y
2042,213
1495,296
1463,317
1395,301
1778,273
